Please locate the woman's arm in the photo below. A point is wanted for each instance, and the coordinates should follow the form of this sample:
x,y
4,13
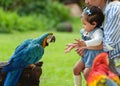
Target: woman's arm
x,y
99,47
80,50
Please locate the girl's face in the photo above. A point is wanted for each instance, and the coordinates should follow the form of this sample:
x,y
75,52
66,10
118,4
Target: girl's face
x,y
87,26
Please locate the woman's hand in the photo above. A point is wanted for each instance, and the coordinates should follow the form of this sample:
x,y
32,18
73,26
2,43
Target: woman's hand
x,y
80,51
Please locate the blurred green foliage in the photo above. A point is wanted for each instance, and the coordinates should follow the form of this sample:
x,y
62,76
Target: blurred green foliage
x,y
23,15
81,3
13,22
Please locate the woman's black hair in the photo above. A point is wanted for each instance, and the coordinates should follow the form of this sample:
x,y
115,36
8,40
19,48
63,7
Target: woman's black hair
x,y
93,14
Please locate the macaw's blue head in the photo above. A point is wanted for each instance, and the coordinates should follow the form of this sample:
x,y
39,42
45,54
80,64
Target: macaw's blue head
x,y
45,39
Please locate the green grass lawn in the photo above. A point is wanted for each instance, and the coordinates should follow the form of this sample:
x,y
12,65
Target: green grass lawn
x,y
57,66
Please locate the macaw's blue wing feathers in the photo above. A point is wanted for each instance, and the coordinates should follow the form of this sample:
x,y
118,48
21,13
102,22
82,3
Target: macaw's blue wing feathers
x,y
35,53
30,53
21,47
25,57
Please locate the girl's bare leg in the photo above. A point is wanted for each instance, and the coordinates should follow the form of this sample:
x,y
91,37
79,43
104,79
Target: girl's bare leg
x,y
79,66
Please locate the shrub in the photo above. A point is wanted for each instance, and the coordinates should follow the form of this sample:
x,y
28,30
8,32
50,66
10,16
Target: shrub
x,y
7,21
13,22
33,14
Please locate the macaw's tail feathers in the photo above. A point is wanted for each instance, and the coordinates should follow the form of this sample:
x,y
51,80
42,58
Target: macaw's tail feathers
x,y
7,68
12,78
11,67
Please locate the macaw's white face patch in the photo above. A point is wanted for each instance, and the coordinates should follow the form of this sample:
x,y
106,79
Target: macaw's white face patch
x,y
49,38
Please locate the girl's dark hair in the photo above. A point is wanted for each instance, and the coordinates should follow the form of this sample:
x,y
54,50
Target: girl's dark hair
x,y
93,14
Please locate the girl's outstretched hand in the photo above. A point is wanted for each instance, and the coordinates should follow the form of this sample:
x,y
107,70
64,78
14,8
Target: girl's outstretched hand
x,y
80,51
69,47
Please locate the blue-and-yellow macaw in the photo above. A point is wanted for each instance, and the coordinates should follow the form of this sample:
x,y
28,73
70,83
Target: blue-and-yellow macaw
x,y
101,75
26,54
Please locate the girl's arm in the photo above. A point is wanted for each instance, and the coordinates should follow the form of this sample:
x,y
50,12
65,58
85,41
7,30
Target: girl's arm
x,y
95,43
99,47
96,39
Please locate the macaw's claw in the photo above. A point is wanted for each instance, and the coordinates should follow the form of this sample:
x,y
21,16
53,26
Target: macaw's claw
x,y
32,66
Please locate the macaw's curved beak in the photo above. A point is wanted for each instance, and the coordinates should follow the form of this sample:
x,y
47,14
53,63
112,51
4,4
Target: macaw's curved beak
x,y
50,39
53,39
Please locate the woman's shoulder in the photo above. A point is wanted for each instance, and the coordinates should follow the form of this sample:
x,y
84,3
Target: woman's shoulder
x,y
114,2
112,5
112,9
